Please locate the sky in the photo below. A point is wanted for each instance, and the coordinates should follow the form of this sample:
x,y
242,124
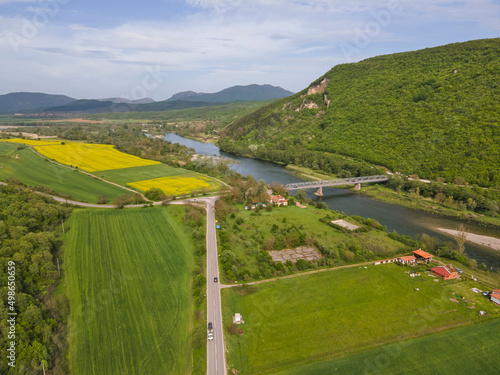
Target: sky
x,y
155,48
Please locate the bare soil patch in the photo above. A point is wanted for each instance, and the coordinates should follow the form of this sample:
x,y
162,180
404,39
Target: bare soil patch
x,y
302,252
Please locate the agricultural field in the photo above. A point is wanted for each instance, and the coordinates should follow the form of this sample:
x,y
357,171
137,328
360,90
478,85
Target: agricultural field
x,y
33,142
324,316
32,170
106,162
92,157
473,349
128,278
175,181
173,185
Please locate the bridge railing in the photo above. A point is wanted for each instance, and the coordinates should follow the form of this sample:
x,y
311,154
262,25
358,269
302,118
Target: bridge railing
x,y
336,182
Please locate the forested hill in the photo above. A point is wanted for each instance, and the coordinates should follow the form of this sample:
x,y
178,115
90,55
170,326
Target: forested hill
x,y
433,112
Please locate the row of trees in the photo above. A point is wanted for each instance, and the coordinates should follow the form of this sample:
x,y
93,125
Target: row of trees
x,y
473,198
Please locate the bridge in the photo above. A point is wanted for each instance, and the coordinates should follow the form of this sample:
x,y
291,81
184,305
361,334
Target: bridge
x,y
319,185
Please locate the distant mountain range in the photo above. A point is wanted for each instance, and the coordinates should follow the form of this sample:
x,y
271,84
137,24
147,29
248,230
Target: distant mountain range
x,y
25,102
235,93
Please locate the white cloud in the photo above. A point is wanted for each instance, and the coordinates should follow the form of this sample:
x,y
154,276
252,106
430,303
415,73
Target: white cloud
x,y
223,42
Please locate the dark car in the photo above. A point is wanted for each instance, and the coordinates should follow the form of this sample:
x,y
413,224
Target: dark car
x,y
210,326
215,279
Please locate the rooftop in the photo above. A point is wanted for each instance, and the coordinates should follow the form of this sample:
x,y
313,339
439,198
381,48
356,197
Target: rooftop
x,y
423,254
407,258
441,270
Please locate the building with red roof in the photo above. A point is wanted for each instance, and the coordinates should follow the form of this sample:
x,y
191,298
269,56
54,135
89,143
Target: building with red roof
x,y
444,272
278,200
423,256
495,296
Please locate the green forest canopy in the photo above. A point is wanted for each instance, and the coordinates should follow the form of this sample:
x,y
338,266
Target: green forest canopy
x,y
433,112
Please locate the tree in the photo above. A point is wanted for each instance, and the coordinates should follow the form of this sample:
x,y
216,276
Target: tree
x,y
460,238
122,200
154,194
301,195
102,198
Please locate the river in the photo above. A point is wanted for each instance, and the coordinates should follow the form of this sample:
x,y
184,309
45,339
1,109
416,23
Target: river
x,y
401,219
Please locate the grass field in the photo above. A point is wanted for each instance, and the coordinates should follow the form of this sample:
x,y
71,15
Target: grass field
x,y
473,349
171,180
243,237
323,316
33,170
127,276
92,157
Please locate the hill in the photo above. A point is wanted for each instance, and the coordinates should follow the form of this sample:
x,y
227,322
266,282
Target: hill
x,y
23,101
235,93
433,112
129,101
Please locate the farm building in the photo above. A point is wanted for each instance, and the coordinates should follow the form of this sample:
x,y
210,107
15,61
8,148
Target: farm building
x,y
423,256
446,273
385,261
495,296
410,259
278,200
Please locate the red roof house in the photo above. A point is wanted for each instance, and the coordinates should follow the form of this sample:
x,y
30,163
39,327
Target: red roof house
x,y
495,296
423,256
444,272
278,200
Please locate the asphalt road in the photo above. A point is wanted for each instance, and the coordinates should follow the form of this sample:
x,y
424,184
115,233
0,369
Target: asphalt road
x,y
216,361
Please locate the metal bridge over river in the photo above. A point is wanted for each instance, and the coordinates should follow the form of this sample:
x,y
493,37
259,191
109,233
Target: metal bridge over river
x,y
319,185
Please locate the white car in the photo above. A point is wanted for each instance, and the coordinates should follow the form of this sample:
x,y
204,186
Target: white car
x,y
210,336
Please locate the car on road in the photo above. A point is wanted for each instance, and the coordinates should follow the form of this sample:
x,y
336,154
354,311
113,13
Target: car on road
x,y
210,336
215,279
210,326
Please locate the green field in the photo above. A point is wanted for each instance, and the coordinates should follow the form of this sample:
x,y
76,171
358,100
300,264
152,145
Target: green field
x,y
323,316
473,349
128,278
33,170
127,175
246,230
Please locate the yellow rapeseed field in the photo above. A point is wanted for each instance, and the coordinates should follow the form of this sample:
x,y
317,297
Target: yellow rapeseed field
x,y
92,157
33,142
174,185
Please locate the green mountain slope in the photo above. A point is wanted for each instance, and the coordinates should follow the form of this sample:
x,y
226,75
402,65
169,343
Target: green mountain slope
x,y
433,112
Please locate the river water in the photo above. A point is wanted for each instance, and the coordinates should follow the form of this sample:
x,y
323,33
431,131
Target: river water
x,y
404,220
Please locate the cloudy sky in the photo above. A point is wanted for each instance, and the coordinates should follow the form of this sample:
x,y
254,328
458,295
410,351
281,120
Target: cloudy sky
x,y
155,48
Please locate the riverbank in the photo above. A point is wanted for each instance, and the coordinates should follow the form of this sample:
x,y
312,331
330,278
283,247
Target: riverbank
x,y
387,195
491,242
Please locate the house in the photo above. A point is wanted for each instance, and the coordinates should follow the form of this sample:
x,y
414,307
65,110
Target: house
x,y
422,256
278,200
410,259
495,296
238,319
385,261
446,273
